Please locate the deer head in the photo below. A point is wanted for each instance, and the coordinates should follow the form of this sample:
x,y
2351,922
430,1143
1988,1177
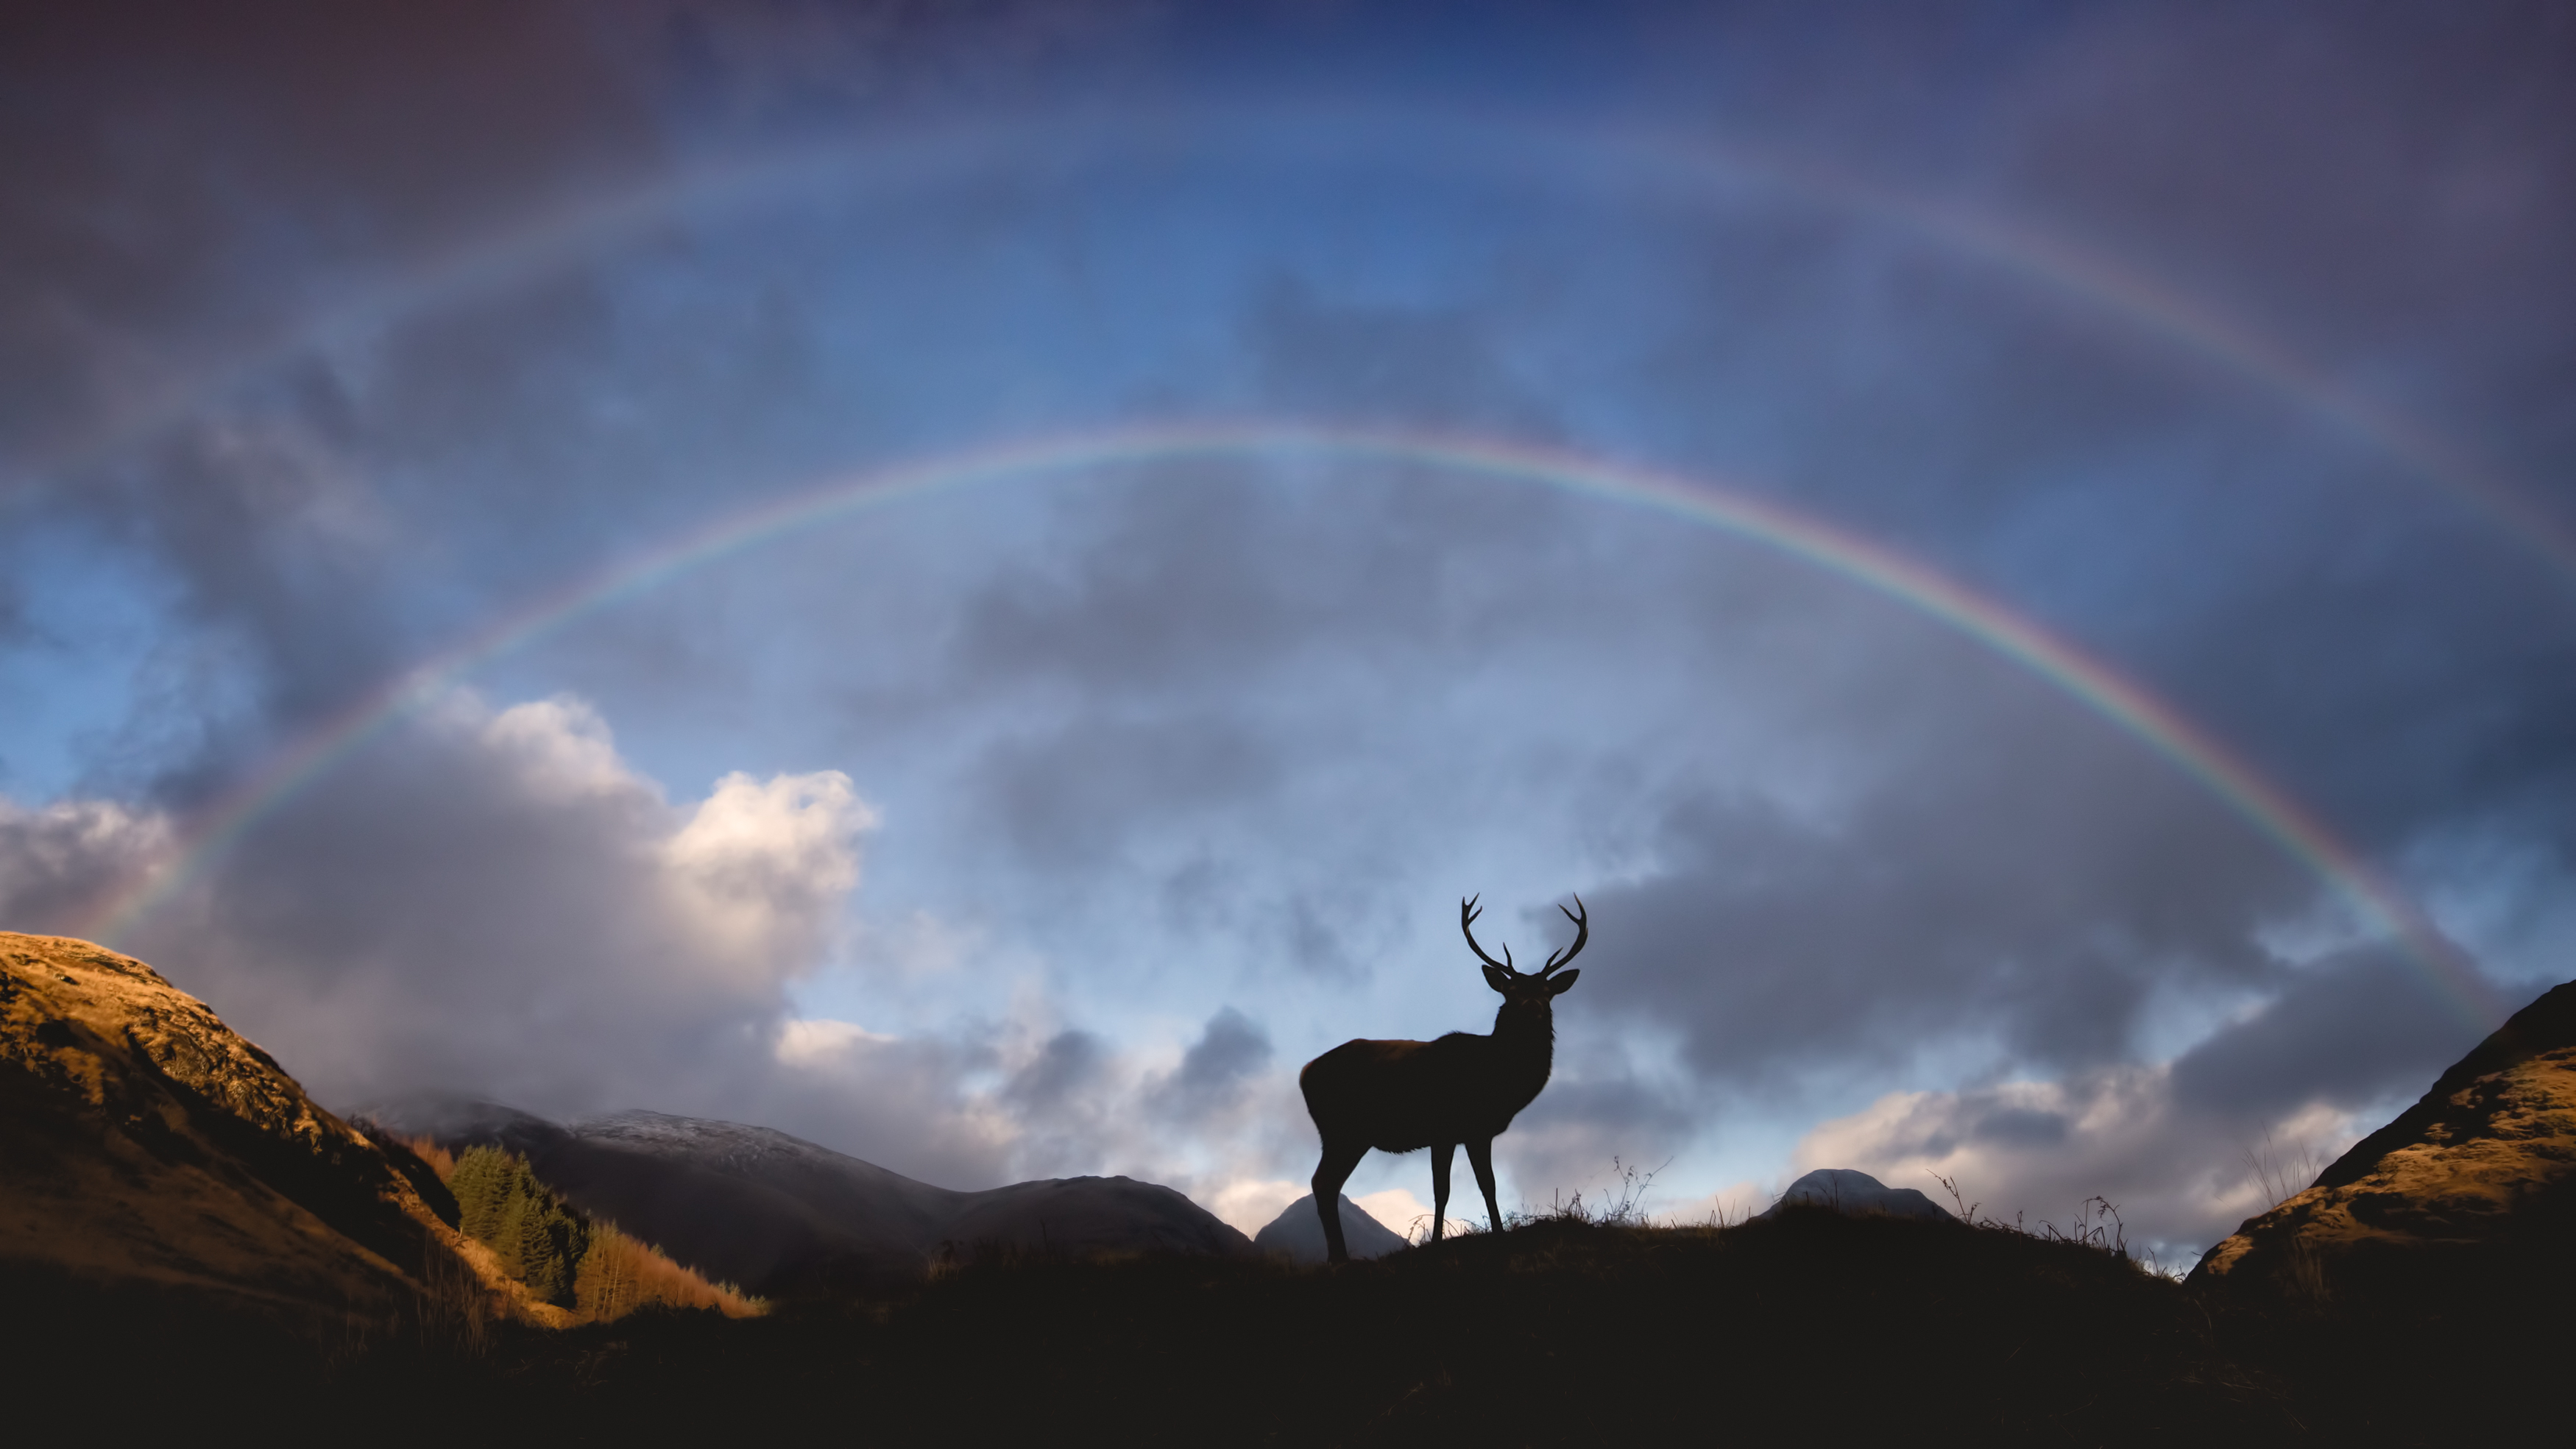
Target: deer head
x,y
1526,992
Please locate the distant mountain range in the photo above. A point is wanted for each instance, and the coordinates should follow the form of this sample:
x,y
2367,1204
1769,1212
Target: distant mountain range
x,y
780,1216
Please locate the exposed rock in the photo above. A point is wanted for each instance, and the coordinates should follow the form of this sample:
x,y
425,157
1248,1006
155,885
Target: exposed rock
x,y
1297,1234
151,1148
778,1215
2470,1192
1846,1190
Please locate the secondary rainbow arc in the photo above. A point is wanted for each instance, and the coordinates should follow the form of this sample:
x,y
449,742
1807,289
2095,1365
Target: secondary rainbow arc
x,y
599,220
1906,581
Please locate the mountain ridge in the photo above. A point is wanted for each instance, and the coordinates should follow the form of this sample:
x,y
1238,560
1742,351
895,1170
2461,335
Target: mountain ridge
x,y
783,1216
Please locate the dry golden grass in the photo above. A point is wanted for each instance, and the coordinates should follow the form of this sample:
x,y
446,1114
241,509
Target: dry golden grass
x,y
621,1274
440,1160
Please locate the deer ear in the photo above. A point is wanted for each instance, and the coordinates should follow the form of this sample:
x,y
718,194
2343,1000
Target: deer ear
x,y
1556,984
1499,979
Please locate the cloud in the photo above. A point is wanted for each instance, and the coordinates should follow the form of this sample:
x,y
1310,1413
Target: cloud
x,y
498,901
2349,1031
61,862
1214,1071
2034,1150
914,1104
1403,1214
1254,1204
2014,878
2186,1149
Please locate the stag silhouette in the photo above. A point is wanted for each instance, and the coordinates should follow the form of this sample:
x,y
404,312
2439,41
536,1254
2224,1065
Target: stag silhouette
x,y
1397,1096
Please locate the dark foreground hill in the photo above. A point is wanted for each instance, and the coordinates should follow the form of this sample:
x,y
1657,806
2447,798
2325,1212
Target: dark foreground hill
x,y
1814,1328
193,1249
784,1217
1811,1328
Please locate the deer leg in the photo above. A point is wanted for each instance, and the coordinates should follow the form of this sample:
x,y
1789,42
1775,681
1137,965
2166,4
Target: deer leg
x,y
1339,1159
1440,1185
1480,1156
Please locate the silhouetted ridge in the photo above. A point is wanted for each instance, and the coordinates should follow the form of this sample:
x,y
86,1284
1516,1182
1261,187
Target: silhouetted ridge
x,y
2545,1025
783,1216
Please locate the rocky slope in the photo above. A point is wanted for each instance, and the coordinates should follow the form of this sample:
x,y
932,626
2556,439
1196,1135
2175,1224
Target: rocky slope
x,y
780,1216
2468,1194
151,1150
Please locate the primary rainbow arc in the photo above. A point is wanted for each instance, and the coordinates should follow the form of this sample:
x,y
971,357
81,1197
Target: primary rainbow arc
x,y
1906,581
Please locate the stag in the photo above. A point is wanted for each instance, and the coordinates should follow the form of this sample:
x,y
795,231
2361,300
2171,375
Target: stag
x,y
1398,1096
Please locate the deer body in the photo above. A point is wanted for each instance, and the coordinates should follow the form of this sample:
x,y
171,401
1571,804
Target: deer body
x,y
1463,1089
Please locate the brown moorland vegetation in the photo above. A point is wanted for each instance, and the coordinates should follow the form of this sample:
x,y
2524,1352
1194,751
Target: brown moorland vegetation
x,y
563,1257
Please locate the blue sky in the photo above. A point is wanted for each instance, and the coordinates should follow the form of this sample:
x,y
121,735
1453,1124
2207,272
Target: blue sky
x,y
1047,825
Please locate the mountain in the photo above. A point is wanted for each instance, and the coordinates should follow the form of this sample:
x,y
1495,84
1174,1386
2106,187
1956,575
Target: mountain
x,y
163,1168
1848,1190
1298,1234
2469,1196
778,1215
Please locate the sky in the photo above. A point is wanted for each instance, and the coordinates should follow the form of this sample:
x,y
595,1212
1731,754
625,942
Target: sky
x,y
976,582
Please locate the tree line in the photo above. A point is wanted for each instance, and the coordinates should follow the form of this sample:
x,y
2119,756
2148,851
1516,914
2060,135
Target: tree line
x,y
565,1257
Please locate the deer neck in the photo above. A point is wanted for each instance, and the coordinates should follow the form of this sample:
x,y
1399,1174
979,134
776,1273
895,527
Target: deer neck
x,y
1525,1043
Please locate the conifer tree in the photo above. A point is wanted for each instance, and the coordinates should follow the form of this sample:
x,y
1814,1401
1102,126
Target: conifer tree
x,y
481,1184
534,1235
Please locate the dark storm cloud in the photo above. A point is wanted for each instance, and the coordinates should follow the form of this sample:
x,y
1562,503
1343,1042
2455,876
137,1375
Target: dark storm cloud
x,y
2027,881
2351,1030
197,192
1065,798
1213,1072
2413,157
2380,196
17,626
1066,1102
1207,576
177,165
189,185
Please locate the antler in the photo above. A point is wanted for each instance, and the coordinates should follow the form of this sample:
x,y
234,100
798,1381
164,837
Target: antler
x,y
1467,914
1582,933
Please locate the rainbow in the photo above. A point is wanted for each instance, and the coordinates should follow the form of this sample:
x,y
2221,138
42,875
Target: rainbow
x,y
564,235
1756,519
